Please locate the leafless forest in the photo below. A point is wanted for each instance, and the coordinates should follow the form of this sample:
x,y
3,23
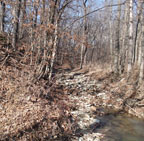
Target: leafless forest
x,y
43,40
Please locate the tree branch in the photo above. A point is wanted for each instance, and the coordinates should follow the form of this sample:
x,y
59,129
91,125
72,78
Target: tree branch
x,y
113,5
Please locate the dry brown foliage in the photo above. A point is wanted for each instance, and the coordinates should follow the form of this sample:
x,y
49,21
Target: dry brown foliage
x,y
30,110
122,93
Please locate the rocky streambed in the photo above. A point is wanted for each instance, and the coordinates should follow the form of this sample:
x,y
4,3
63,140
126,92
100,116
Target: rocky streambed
x,y
91,102
82,93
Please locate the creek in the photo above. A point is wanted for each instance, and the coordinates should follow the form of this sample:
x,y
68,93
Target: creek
x,y
123,128
109,126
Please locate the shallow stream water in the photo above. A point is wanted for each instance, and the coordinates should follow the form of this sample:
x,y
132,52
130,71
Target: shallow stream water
x,y
123,128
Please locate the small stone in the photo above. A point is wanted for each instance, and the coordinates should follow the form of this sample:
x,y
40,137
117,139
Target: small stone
x,y
101,94
33,99
93,108
1,108
28,98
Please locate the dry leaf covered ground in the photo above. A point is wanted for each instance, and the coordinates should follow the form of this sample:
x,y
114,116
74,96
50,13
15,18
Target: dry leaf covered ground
x,y
36,110
31,111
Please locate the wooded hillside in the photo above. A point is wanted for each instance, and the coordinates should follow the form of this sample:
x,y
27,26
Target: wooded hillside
x,y
42,39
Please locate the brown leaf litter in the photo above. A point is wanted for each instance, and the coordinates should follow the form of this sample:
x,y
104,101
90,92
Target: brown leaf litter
x,y
31,111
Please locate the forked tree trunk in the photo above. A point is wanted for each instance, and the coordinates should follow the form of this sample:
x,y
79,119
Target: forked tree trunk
x,y
49,40
54,50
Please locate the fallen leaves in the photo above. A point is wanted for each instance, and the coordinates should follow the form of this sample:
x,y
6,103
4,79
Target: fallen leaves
x,y
25,111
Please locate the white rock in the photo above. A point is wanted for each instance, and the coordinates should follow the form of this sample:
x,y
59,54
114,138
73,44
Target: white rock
x,y
1,108
101,94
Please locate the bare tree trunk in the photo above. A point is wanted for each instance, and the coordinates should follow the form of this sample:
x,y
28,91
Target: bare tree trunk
x,y
32,37
142,58
43,12
139,49
138,39
117,41
36,16
137,34
111,35
84,44
130,50
43,32
22,18
32,43
48,38
2,16
141,74
33,26
44,22
16,15
54,50
124,45
14,27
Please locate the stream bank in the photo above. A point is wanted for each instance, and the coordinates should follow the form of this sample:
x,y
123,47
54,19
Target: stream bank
x,y
93,93
122,127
